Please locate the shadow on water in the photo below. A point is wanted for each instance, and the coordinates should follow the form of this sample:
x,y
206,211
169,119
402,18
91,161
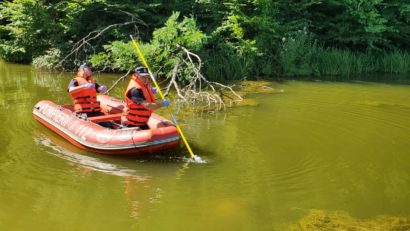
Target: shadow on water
x,y
363,79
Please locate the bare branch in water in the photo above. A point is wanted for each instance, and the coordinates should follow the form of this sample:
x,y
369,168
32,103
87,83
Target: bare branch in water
x,y
174,83
199,90
118,80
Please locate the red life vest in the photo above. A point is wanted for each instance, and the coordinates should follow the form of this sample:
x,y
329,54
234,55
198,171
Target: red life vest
x,y
137,114
85,99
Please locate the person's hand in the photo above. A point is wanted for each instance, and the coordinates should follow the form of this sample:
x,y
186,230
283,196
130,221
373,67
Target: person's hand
x,y
102,89
165,103
154,90
89,85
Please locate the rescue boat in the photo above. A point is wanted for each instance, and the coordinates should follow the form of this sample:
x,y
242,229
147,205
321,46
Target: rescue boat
x,y
87,133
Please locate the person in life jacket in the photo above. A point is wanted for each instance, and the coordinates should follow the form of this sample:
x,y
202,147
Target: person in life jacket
x,y
83,89
140,100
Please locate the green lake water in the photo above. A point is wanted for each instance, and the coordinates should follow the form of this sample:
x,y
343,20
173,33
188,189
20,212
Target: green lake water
x,y
318,145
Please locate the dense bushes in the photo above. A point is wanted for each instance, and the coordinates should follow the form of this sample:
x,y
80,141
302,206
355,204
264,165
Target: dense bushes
x,y
235,38
161,52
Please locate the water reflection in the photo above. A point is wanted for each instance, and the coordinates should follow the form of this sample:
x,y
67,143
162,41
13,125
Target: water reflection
x,y
140,175
83,161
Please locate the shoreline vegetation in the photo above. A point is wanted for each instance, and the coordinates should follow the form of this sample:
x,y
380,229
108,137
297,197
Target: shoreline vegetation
x,y
303,57
235,40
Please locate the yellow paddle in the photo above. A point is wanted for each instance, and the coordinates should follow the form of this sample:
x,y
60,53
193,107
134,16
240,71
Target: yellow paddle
x,y
141,56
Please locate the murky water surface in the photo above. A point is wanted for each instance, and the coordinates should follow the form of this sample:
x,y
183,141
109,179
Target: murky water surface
x,y
319,145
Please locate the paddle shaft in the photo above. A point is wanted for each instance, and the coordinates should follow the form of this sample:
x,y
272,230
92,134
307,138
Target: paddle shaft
x,y
141,56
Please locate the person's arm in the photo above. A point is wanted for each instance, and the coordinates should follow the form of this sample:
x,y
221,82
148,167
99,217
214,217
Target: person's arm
x,y
151,106
100,88
136,95
72,85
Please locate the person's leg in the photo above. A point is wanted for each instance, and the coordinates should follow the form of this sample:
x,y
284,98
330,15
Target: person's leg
x,y
141,127
106,124
144,127
92,114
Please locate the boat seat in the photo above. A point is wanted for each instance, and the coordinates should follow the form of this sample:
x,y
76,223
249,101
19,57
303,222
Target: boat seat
x,y
98,119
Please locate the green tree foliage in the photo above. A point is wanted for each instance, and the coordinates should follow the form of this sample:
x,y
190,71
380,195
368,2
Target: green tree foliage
x,y
161,52
351,24
117,56
29,24
243,44
235,38
34,28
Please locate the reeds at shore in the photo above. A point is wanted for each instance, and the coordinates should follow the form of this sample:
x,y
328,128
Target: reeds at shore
x,y
299,57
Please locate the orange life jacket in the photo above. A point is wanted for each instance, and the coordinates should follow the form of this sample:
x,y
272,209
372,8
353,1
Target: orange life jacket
x,y
85,99
136,114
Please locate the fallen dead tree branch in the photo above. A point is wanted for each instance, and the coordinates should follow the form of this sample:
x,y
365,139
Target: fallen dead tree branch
x,y
118,81
185,79
208,95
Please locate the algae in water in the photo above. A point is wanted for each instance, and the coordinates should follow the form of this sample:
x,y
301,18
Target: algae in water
x,y
318,220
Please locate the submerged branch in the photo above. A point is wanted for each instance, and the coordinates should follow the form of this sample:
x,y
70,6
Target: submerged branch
x,y
199,90
174,83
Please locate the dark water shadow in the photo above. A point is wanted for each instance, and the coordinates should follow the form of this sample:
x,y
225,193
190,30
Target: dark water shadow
x,y
394,79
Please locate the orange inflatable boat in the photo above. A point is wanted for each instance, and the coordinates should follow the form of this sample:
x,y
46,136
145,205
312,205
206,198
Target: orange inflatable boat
x,y
88,134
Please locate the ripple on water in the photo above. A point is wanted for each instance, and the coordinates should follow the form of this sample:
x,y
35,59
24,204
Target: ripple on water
x,y
288,178
390,116
350,118
278,171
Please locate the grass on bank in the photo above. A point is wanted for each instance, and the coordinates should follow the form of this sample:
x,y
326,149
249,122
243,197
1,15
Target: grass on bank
x,y
302,57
